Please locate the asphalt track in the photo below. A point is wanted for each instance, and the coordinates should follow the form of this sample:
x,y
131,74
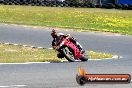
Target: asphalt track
x,y
62,75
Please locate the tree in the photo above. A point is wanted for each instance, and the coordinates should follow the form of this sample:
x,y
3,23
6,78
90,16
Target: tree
x,y
74,1
83,1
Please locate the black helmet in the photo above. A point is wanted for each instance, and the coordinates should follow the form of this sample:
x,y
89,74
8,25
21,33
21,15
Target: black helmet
x,y
53,33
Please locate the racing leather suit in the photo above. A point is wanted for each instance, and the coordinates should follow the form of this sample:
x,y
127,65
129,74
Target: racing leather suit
x,y
58,36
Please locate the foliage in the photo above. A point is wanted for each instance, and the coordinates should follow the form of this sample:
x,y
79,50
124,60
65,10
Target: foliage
x,y
85,19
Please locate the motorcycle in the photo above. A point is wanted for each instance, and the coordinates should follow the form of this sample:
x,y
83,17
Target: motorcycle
x,y
67,49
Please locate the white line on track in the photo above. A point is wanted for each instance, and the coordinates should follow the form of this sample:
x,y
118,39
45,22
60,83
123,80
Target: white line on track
x,y
112,35
79,60
17,85
24,63
13,86
37,62
4,86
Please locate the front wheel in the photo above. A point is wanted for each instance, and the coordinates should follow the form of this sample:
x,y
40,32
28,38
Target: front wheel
x,y
68,54
84,57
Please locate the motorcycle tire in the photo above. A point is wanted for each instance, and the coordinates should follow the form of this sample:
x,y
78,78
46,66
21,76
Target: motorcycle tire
x,y
68,54
84,57
60,55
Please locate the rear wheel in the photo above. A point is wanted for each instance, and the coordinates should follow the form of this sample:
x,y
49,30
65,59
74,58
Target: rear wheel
x,y
68,54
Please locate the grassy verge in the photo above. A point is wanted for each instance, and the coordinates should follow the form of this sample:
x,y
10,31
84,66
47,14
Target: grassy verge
x,y
84,19
15,54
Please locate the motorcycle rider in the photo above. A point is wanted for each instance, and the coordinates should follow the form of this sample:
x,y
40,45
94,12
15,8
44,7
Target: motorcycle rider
x,y
56,37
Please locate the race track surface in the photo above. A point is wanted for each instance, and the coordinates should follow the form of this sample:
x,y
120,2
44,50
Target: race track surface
x,y
62,75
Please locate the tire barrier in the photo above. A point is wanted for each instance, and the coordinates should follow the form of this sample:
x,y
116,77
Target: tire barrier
x,y
55,3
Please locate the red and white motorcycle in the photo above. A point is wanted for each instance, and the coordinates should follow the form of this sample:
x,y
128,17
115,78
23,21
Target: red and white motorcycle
x,y
68,50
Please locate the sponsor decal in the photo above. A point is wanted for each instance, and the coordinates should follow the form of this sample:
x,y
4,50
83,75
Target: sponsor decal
x,y
83,78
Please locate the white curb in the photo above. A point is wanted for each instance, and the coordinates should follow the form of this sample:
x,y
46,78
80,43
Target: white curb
x,y
7,43
33,47
50,48
25,45
40,47
25,63
16,44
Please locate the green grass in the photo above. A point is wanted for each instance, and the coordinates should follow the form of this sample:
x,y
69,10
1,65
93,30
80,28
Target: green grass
x,y
84,19
19,54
